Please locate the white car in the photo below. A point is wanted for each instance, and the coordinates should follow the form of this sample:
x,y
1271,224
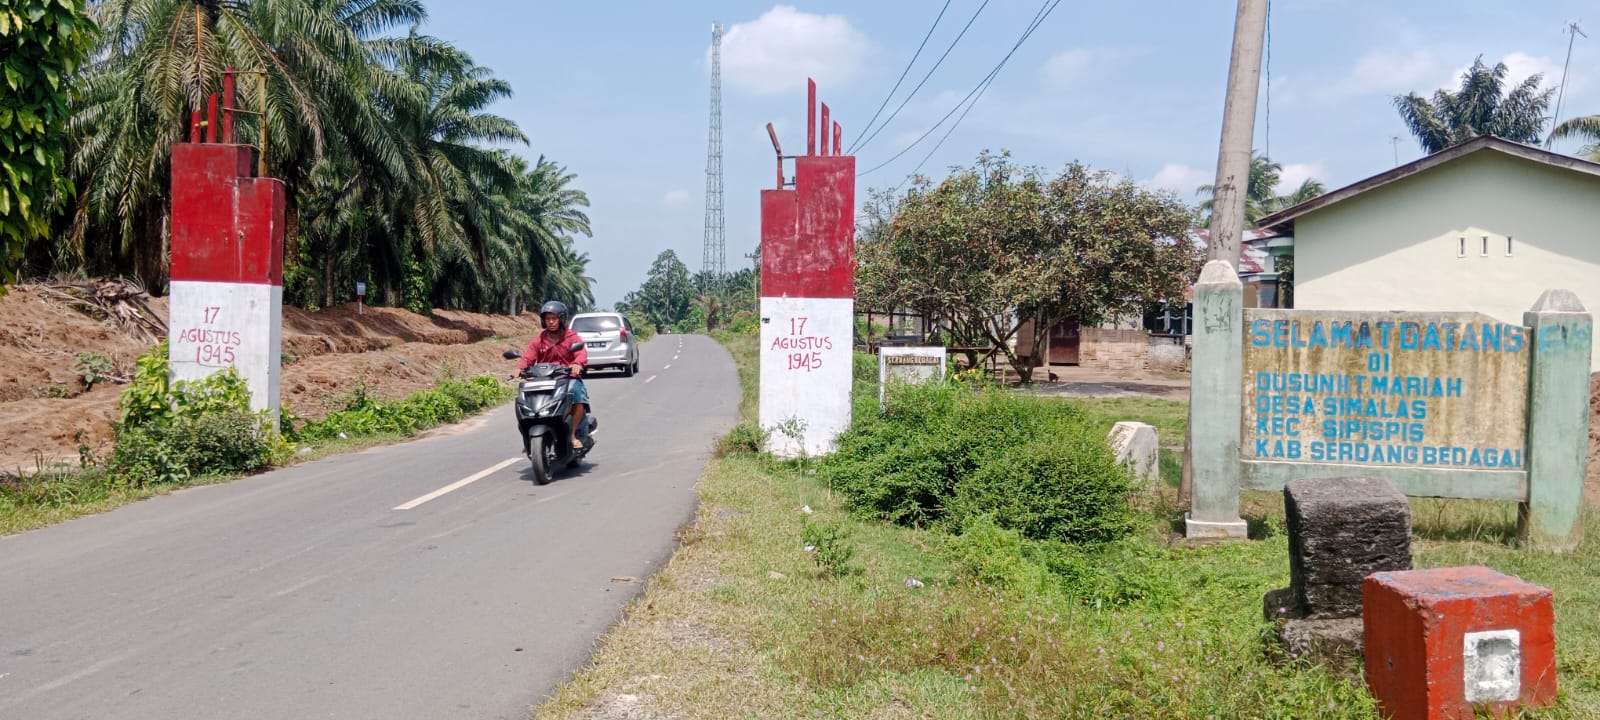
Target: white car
x,y
610,338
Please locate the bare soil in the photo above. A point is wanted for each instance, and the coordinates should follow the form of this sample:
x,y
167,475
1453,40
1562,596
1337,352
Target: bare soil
x,y
46,412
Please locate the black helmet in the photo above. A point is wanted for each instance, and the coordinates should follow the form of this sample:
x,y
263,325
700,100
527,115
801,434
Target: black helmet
x,y
557,308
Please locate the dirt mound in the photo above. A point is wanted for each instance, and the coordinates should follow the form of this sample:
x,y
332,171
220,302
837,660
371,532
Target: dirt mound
x,y
41,340
46,414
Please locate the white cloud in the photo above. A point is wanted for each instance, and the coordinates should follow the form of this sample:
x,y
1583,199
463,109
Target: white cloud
x,y
1069,67
1520,65
1179,178
1383,73
1293,174
675,198
776,52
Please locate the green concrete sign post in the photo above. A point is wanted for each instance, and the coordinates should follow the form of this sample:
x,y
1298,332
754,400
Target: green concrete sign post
x,y
1444,404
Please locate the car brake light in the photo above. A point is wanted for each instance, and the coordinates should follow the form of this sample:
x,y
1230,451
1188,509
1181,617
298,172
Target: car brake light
x,y
623,332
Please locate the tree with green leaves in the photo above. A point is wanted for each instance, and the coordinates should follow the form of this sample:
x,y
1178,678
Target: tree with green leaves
x,y
996,248
1261,196
42,43
1483,105
666,295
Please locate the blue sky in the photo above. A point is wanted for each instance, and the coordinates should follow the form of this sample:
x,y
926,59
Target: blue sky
x,y
619,92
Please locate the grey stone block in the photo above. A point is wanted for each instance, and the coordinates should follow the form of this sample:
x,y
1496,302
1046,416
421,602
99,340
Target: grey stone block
x,y
1332,641
1340,531
1136,446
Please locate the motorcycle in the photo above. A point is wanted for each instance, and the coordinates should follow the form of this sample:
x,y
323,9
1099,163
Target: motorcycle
x,y
544,418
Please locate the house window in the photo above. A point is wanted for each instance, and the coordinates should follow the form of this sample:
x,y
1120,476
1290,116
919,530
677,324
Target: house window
x,y
1485,251
1508,246
1461,247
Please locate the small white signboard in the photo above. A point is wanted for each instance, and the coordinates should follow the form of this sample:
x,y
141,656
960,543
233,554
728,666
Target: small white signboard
x,y
908,365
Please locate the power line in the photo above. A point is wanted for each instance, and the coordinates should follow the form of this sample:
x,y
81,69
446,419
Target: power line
x,y
868,138
1038,19
1267,134
904,72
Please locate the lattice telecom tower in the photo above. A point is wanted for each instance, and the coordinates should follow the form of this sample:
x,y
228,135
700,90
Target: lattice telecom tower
x,y
715,236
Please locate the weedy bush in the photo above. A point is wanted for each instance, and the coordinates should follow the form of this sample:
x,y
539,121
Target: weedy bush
x,y
451,400
92,368
829,545
942,453
173,431
745,437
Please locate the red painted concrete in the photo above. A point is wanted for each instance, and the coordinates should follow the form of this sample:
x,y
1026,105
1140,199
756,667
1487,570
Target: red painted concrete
x,y
226,225
816,259
780,213
1415,623
808,233
811,116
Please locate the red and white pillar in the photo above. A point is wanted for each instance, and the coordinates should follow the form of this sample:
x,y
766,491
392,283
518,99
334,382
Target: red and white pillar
x,y
808,300
227,269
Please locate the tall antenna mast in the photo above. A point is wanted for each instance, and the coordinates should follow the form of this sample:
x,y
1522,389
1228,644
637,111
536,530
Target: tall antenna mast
x,y
712,262
1555,119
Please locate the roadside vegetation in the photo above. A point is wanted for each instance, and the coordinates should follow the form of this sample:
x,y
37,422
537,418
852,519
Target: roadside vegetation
x,y
916,602
176,434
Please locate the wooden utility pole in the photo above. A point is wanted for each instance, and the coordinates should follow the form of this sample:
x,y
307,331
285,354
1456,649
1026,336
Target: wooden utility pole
x,y
1233,160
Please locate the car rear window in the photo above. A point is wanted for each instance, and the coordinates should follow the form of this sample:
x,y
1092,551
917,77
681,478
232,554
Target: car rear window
x,y
595,324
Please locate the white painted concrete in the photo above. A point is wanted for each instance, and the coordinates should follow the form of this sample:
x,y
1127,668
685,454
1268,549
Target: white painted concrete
x,y
1438,241
213,325
1492,666
805,373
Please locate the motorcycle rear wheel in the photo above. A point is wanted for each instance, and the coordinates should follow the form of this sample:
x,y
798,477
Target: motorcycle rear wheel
x,y
542,456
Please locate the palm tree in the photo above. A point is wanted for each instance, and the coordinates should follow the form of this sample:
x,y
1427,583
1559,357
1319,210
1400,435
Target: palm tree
x,y
1482,106
1586,128
1261,198
160,59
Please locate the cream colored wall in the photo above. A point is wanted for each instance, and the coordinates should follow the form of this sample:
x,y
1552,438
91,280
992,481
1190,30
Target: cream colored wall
x,y
1395,247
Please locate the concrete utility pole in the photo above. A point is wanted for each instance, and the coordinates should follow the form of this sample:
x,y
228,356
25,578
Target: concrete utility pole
x,y
1238,129
1233,165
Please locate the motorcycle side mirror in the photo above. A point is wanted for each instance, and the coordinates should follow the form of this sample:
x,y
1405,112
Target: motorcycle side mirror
x,y
511,355
575,347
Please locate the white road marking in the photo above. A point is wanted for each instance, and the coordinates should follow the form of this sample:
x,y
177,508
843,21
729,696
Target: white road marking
x,y
668,367
457,485
647,381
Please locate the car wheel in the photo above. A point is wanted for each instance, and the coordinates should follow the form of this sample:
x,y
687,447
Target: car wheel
x,y
627,371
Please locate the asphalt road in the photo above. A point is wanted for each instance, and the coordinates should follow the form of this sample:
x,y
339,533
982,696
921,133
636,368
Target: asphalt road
x,y
305,593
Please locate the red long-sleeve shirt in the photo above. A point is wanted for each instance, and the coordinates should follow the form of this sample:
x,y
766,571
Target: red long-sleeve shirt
x,y
546,348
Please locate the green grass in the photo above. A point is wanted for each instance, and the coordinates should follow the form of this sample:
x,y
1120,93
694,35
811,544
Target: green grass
x,y
745,623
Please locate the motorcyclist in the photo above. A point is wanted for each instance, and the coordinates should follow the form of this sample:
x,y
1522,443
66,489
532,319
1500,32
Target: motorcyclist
x,y
552,346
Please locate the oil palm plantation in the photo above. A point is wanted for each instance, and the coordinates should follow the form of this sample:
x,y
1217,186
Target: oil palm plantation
x,y
1483,105
385,142
302,67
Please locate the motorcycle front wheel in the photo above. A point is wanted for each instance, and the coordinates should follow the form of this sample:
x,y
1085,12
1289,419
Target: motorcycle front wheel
x,y
543,455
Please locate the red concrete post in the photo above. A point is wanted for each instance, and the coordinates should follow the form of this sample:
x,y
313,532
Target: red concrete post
x,y
194,126
227,106
211,118
838,135
811,116
825,124
1440,643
